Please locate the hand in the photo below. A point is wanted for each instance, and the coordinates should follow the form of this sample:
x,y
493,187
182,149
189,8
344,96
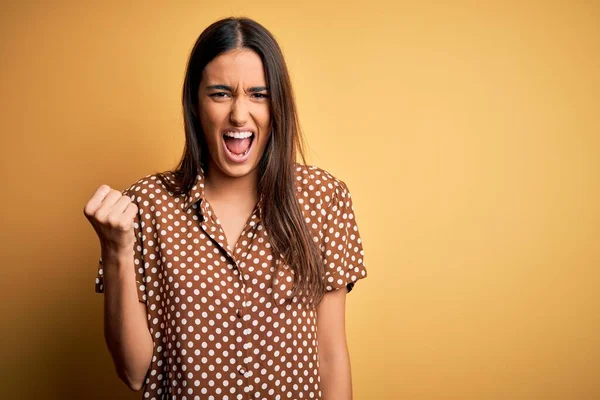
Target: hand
x,y
112,215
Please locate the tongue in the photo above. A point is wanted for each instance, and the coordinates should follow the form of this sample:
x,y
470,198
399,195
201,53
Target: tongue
x,y
237,146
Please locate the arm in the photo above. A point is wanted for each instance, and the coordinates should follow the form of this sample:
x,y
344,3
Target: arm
x,y
334,359
116,221
125,321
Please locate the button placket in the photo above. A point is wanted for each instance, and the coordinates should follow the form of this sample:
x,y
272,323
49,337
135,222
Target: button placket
x,y
247,331
243,316
213,229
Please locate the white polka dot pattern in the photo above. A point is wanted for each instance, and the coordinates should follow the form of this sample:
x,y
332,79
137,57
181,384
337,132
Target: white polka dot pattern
x,y
220,325
342,246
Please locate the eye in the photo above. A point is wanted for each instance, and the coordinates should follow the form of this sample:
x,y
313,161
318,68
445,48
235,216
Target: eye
x,y
261,95
218,95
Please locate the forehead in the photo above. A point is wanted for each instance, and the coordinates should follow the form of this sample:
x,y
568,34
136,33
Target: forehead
x,y
233,66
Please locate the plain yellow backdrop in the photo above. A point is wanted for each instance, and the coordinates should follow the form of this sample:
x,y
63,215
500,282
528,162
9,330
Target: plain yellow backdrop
x,y
467,132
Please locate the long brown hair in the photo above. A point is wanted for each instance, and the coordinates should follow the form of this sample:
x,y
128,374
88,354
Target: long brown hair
x,y
289,235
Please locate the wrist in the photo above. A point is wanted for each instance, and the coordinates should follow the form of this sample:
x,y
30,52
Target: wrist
x,y
116,254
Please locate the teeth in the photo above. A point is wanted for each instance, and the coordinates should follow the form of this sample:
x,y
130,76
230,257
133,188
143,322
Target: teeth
x,y
239,135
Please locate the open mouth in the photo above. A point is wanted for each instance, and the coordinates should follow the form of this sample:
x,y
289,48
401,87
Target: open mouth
x,y
238,148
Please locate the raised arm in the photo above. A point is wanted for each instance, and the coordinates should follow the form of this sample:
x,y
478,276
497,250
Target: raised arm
x,y
126,329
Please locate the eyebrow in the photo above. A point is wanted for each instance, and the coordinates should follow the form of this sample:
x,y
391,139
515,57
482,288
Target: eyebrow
x,y
253,89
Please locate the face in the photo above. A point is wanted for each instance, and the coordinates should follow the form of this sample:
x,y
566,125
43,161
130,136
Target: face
x,y
234,109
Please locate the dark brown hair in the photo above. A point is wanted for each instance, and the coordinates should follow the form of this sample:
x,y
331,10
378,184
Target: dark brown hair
x,y
289,235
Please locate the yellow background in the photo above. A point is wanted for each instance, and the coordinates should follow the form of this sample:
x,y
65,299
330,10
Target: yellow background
x,y
468,134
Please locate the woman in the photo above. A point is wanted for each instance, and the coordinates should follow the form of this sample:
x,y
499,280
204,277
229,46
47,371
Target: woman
x,y
239,253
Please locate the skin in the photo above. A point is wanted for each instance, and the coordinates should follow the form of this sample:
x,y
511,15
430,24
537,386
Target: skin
x,y
334,358
231,189
219,109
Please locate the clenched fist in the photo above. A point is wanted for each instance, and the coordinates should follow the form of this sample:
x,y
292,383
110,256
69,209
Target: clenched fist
x,y
112,215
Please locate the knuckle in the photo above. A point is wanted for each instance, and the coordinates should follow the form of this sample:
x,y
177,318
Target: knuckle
x,y
113,220
124,224
98,216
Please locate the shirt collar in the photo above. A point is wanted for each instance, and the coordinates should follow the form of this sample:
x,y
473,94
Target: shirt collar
x,y
196,194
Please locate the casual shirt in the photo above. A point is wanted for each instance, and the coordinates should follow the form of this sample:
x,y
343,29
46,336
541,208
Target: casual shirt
x,y
217,316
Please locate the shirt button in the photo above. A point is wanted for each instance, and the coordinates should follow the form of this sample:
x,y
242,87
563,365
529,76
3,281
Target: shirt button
x,y
239,313
242,371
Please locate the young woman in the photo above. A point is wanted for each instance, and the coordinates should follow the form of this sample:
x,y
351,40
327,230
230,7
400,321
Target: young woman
x,y
232,290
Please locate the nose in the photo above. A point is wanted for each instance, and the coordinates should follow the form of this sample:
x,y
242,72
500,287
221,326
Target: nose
x,y
239,111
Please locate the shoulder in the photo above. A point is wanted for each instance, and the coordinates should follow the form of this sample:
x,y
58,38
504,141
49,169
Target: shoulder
x,y
149,187
317,183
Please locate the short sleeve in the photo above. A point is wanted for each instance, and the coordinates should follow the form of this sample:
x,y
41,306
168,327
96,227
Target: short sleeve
x,y
138,260
342,245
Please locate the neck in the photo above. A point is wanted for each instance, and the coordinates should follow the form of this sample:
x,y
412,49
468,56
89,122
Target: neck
x,y
220,186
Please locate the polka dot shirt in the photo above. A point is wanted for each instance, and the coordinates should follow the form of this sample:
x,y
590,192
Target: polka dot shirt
x,y
220,326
